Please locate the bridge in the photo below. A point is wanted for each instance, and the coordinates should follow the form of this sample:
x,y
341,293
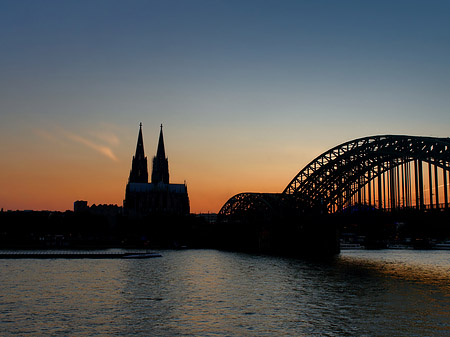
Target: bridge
x,y
385,174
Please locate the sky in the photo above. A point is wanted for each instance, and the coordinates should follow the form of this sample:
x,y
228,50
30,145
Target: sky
x,y
249,92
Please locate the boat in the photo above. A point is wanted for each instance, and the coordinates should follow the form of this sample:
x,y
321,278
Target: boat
x,y
32,254
398,246
351,246
442,246
141,255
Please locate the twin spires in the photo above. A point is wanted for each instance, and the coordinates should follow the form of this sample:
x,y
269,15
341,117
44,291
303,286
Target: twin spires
x,y
139,172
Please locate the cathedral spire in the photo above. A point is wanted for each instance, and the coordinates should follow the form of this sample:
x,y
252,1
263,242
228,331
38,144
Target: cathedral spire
x,y
160,171
161,152
139,172
140,144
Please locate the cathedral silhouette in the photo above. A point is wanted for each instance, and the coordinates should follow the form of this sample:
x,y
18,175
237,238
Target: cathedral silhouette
x,y
159,197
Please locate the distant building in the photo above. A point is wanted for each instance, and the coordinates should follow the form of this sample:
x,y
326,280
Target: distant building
x,y
210,218
106,210
80,206
159,196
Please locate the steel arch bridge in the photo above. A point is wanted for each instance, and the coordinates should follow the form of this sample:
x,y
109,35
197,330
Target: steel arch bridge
x,y
387,172
255,206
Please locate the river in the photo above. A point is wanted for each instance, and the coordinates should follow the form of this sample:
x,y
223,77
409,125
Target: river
x,y
216,293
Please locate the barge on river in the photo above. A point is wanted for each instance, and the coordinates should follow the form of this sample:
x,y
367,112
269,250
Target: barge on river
x,y
76,255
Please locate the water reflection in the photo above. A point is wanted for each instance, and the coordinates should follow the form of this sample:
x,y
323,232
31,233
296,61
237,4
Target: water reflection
x,y
426,267
56,295
229,294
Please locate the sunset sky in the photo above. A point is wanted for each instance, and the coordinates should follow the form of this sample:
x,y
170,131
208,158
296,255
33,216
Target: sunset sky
x,y
248,92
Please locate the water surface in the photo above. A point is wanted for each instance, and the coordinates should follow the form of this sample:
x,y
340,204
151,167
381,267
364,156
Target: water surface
x,y
215,293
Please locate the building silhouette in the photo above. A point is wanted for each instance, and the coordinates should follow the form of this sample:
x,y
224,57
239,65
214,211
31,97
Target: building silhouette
x,y
159,197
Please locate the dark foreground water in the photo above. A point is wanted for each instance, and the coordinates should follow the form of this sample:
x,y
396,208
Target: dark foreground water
x,y
214,293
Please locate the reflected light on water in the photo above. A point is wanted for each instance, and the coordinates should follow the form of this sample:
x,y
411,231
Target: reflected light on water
x,y
426,267
208,292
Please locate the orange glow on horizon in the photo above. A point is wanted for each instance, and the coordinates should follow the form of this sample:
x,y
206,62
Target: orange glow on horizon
x,y
50,169
47,184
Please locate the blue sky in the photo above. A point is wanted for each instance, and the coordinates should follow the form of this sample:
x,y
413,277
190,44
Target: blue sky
x,y
249,91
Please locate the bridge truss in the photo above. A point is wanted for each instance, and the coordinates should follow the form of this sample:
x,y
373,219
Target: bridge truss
x,y
255,206
387,172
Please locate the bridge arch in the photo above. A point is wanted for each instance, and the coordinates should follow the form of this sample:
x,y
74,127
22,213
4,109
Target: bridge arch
x,y
386,172
252,207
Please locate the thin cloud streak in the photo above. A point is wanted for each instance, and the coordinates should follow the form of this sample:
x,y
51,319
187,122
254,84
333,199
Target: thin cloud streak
x,y
107,138
104,150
